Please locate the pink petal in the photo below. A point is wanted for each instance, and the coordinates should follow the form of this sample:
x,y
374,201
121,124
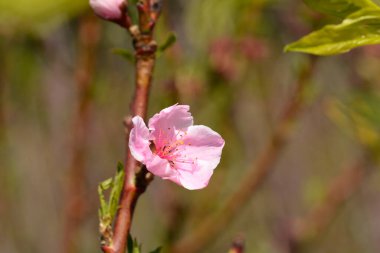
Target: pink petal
x,y
107,9
202,145
160,167
164,123
139,140
197,158
191,180
195,180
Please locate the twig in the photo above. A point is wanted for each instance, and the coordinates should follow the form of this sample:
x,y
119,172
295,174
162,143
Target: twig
x,y
339,191
212,226
3,195
2,90
137,178
75,194
237,246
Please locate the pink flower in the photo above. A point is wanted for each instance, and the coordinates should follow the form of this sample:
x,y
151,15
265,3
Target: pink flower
x,y
174,149
108,9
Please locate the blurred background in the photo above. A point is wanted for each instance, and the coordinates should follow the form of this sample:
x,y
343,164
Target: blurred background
x,y
64,94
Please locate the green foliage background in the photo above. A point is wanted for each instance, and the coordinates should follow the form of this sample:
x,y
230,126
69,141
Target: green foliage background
x,y
228,64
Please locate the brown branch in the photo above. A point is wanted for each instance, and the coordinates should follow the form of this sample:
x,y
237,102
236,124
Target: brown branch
x,y
3,194
75,198
137,178
237,246
2,114
212,226
339,192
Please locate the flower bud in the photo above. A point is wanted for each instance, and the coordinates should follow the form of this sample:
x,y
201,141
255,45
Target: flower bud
x,y
108,9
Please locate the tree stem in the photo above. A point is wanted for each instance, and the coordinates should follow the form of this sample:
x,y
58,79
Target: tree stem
x,y
137,178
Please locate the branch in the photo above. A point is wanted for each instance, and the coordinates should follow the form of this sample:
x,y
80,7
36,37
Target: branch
x,y
2,114
237,246
339,192
212,226
3,173
75,194
137,178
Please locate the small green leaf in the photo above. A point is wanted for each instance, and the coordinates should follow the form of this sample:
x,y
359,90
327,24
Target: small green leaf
x,y
172,38
136,247
118,182
103,210
359,29
158,250
107,211
130,243
124,53
340,8
106,184
133,246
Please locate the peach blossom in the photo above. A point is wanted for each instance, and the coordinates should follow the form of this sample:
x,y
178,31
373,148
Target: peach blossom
x,y
174,149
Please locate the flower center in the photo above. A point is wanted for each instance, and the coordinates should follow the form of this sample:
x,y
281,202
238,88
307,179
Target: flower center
x,y
166,147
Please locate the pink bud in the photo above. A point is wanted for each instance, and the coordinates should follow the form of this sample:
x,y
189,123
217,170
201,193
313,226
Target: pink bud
x,y
108,9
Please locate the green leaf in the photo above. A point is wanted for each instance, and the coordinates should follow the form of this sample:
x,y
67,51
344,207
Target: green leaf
x,y
116,190
136,247
124,53
107,211
130,243
359,29
106,184
158,250
340,8
172,38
